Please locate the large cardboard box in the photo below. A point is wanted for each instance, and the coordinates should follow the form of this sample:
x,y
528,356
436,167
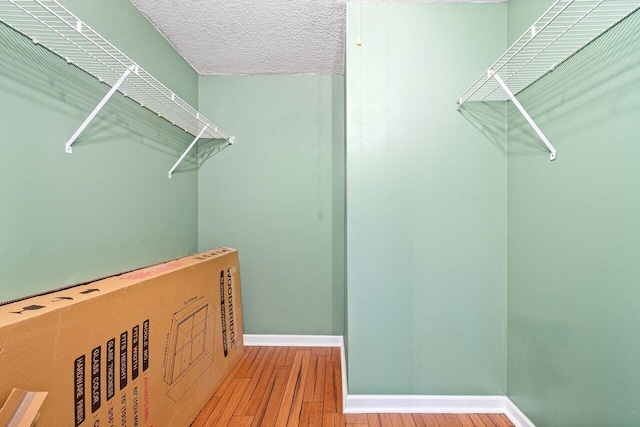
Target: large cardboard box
x,y
146,348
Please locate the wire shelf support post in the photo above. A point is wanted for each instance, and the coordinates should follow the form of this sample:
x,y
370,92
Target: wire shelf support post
x,y
114,88
188,149
524,113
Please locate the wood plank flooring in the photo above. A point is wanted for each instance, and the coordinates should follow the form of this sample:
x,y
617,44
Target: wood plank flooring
x,y
302,386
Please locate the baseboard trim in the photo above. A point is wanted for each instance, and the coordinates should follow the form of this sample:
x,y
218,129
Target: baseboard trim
x,y
359,404
343,366
517,417
293,340
424,404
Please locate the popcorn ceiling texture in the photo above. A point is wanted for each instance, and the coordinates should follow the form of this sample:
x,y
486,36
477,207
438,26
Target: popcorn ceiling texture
x,y
236,37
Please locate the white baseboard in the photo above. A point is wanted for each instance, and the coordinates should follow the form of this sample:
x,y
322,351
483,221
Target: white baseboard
x,y
343,369
517,417
362,404
424,404
293,340
370,404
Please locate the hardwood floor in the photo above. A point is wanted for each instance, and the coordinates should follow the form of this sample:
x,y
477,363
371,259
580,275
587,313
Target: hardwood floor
x,y
302,386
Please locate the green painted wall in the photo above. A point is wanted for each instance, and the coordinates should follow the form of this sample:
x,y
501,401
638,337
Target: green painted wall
x,y
278,196
109,207
573,248
426,203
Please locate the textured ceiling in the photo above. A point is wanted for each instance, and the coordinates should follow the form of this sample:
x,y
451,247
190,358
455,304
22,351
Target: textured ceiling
x,y
256,36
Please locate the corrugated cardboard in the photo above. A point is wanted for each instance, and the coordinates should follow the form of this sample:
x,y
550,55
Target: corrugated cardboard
x,y
21,409
146,348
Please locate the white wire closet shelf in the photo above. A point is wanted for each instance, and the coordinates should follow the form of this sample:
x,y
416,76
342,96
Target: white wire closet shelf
x,y
48,23
565,28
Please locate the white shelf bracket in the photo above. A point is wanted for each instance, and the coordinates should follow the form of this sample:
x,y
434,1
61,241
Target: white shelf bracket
x,y
114,88
188,149
524,113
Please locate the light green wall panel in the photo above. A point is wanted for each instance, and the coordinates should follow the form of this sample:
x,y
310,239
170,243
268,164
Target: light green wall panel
x,y
277,195
574,252
109,207
426,203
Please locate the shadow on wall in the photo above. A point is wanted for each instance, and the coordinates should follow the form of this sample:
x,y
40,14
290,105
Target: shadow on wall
x,y
576,86
490,119
207,148
58,85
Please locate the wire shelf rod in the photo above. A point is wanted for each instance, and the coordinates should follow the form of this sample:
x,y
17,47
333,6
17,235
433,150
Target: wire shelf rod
x,y
516,46
557,37
564,29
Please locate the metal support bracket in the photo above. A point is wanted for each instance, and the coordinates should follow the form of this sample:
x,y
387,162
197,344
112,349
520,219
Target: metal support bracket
x,y
524,113
188,149
114,88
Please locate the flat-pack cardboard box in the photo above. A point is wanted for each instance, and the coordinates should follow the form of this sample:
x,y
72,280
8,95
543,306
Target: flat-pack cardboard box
x,y
145,348
22,408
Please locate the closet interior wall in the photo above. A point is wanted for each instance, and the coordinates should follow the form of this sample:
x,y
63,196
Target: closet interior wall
x,y
475,266
426,202
278,197
573,251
